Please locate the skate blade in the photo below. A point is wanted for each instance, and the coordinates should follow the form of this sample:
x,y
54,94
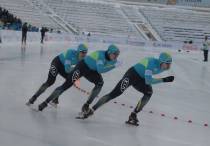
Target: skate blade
x,y
130,123
53,105
33,108
80,116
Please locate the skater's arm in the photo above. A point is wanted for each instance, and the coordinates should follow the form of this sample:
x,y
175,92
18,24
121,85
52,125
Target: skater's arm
x,y
102,67
150,66
150,80
67,66
69,55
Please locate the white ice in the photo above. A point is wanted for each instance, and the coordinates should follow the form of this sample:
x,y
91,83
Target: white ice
x,y
23,71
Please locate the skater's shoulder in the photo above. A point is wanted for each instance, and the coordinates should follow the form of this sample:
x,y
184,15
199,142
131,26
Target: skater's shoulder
x,y
153,61
151,58
70,50
102,52
98,54
148,60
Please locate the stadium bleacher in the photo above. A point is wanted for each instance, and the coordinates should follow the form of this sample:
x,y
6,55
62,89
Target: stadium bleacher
x,y
27,12
117,19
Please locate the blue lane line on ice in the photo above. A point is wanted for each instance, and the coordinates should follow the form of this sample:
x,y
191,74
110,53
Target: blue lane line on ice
x,y
150,112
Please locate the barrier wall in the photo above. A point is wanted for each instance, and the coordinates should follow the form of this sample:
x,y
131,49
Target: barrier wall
x,y
8,36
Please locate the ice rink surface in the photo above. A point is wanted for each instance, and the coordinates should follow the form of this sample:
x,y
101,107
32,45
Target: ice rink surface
x,y
22,71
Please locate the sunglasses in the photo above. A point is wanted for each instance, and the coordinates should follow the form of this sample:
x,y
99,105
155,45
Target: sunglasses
x,y
116,54
168,64
84,52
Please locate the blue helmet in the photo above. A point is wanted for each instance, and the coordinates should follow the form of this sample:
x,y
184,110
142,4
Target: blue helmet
x,y
82,48
112,49
165,57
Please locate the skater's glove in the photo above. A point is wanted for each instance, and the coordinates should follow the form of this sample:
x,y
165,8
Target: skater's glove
x,y
118,63
168,79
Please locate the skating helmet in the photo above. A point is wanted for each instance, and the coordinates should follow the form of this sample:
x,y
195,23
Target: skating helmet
x,y
113,49
82,48
165,57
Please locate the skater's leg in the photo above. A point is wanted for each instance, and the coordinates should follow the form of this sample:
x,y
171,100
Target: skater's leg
x,y
140,86
97,79
38,93
142,102
122,85
58,91
74,75
147,91
50,81
61,71
133,116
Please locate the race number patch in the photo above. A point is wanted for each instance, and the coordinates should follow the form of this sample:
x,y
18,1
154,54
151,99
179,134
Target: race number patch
x,y
124,84
53,70
75,75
